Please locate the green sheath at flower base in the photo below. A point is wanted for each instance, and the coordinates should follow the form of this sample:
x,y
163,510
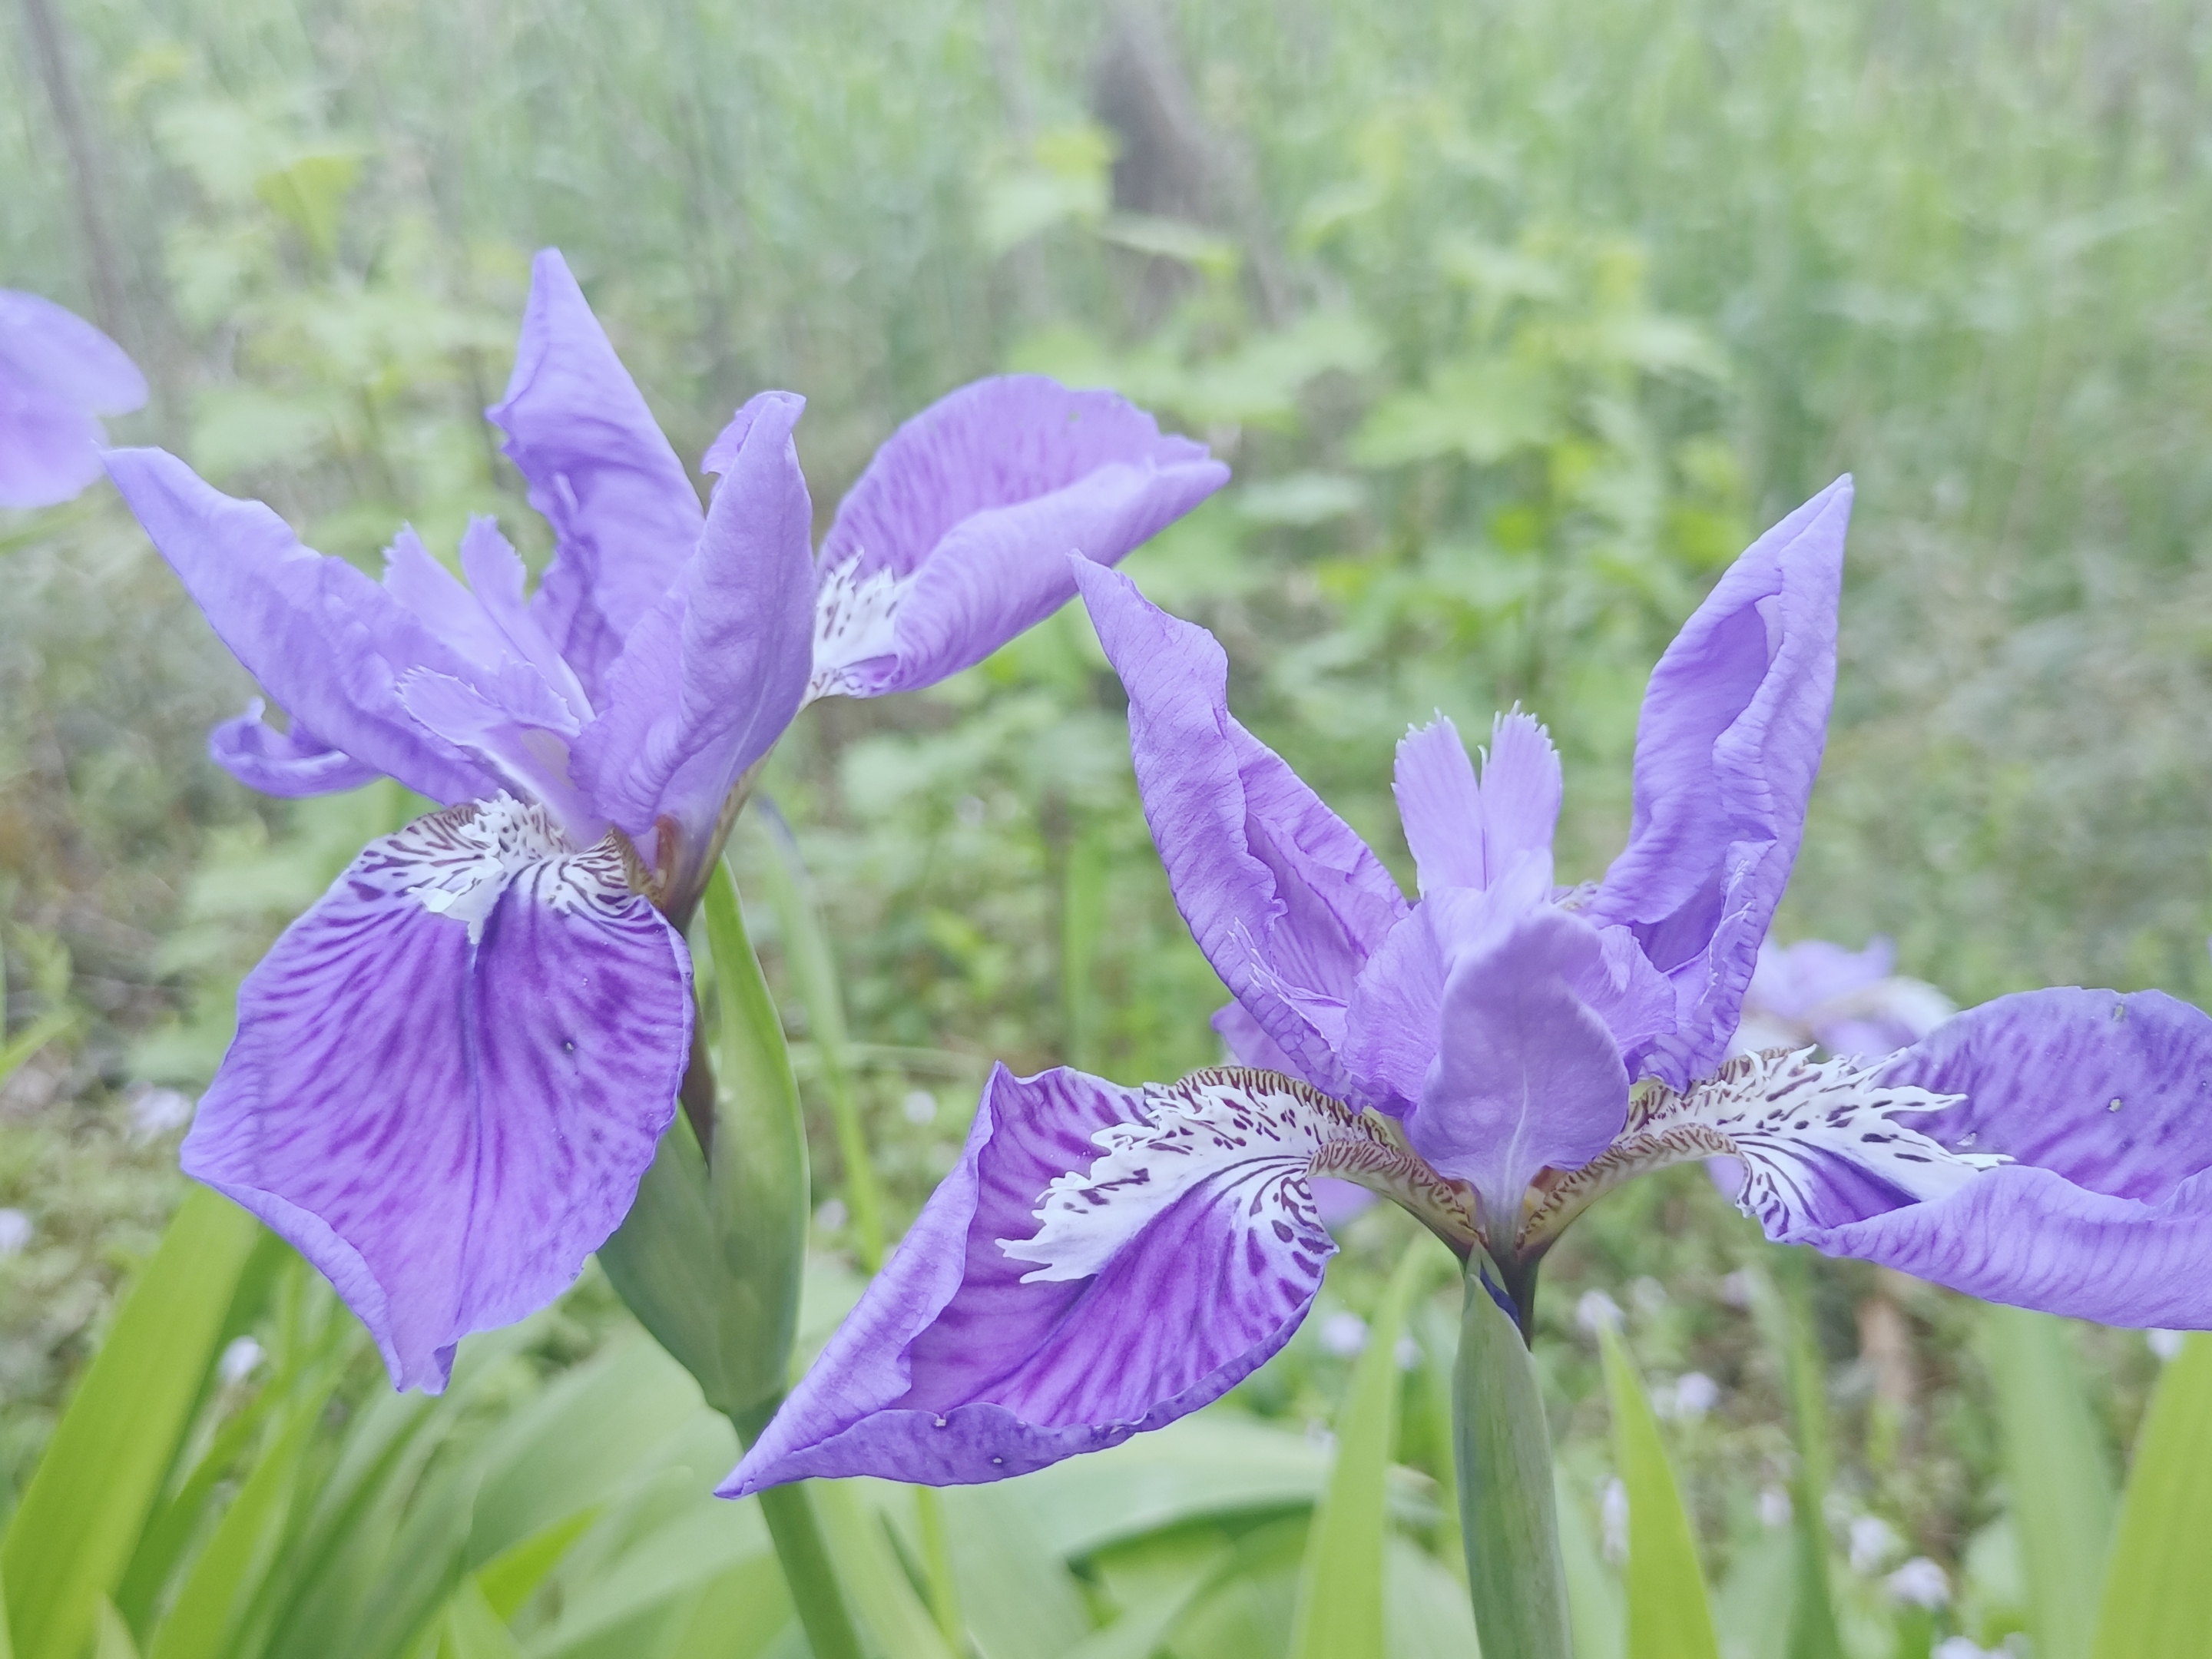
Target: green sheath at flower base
x,y
1507,1513
712,1255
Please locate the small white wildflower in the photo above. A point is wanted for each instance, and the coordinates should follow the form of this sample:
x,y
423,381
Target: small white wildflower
x,y
920,1106
1873,1541
2167,1345
1920,1583
15,1231
1407,1353
1963,1647
1613,1520
155,1112
1735,1289
1343,1333
1596,1311
1774,1509
972,811
1649,1297
238,1361
1695,1394
832,1216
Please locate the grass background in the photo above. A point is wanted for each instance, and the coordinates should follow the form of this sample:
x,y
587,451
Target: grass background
x,y
1515,321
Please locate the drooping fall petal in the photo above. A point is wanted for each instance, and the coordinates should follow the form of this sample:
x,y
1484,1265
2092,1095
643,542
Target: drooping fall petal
x,y
450,1075
1103,1260
2103,1104
957,537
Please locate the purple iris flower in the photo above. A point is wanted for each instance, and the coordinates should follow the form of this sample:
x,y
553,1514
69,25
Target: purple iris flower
x,y
58,375
1850,1002
450,1075
1494,1056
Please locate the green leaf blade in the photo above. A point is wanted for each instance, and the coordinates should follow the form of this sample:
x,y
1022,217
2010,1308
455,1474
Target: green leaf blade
x,y
1339,1606
81,1519
2158,1593
1667,1615
2060,1473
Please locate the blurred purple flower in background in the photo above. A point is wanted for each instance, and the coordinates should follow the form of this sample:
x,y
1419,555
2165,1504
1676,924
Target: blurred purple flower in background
x,y
1850,1002
1104,1259
450,1075
58,375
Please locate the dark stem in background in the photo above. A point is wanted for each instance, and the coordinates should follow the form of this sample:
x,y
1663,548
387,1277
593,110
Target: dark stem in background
x,y
84,168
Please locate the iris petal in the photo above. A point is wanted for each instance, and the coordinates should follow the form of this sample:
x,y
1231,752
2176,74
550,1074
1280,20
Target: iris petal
x,y
1179,1248
709,680
1729,740
1286,901
957,537
2105,1103
450,1075
325,641
57,374
623,513
287,764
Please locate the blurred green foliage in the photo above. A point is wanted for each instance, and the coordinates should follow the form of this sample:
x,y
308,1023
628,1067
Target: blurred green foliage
x,y
1516,322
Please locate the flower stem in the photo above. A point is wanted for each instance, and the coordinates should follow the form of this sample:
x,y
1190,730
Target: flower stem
x,y
801,1550
1508,1520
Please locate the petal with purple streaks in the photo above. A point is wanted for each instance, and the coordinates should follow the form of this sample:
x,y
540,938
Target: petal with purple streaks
x,y
1285,899
624,513
450,1075
326,644
2105,1103
957,537
1102,1261
1726,751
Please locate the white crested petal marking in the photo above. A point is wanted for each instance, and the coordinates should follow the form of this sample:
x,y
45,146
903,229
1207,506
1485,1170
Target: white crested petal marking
x,y
1250,1140
856,623
458,862
1804,1129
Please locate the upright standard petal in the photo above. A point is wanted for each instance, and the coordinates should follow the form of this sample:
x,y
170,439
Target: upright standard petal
x,y
450,1075
1466,834
1103,1260
2103,1104
1285,899
624,513
325,641
710,679
1730,737
287,764
956,538
57,374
